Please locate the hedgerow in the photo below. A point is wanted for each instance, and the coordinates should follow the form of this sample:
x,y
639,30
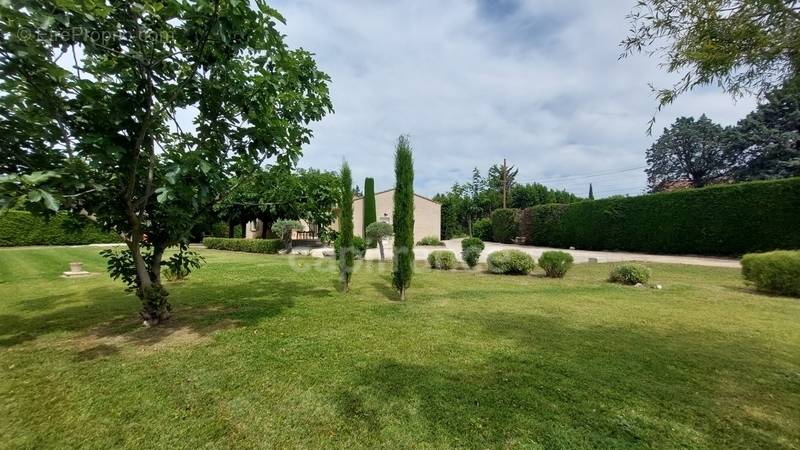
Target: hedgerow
x,y
717,220
23,228
271,246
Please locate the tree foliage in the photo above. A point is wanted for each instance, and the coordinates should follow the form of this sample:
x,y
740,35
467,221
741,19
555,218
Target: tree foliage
x,y
347,253
283,229
766,143
377,232
744,46
690,151
465,204
90,92
403,217
370,211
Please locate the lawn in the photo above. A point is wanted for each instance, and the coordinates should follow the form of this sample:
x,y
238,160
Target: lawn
x,y
264,352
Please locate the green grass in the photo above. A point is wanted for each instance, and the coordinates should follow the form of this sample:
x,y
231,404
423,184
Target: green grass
x,y
262,353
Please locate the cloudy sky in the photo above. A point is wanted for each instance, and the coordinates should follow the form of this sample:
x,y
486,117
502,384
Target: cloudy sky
x,y
537,82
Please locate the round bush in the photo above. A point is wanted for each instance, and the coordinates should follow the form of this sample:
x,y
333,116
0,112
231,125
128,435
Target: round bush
x,y
774,272
471,249
630,274
430,240
359,247
510,262
555,263
442,260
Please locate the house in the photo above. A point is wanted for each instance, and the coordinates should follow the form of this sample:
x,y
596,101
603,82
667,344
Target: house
x,y
427,214
427,218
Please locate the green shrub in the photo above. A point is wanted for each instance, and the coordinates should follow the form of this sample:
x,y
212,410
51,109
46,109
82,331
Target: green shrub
x,y
555,263
271,246
471,249
359,247
430,240
482,229
775,272
504,225
23,228
178,266
511,262
717,220
442,260
630,273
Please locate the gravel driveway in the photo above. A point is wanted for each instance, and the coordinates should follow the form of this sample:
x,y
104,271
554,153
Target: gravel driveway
x,y
581,256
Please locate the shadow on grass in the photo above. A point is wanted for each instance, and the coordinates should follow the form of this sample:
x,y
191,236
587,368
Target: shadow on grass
x,y
560,386
111,316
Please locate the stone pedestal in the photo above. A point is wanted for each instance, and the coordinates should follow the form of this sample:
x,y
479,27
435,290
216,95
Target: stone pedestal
x,y
76,270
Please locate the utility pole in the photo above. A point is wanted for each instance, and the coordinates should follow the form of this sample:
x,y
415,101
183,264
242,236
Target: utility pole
x,y
505,182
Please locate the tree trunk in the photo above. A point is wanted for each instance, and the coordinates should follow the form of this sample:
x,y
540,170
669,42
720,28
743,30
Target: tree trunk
x,y
244,230
155,307
380,246
230,229
402,295
263,229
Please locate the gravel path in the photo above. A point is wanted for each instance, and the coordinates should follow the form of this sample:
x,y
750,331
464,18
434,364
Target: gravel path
x,y
581,256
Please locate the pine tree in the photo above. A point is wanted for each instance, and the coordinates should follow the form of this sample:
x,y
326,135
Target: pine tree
x,y
591,192
370,212
403,217
346,250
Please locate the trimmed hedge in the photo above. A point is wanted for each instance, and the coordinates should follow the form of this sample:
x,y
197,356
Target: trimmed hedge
x,y
630,274
430,240
774,272
510,262
23,228
725,220
555,263
471,249
442,260
504,225
271,246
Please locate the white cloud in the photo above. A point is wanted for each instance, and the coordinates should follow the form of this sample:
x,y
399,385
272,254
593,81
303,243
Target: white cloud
x,y
536,82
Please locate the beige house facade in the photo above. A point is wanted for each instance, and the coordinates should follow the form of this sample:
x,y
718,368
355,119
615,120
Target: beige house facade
x,y
427,218
427,214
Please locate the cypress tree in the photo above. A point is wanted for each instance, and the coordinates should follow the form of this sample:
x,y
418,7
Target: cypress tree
x,y
403,217
370,212
346,250
591,192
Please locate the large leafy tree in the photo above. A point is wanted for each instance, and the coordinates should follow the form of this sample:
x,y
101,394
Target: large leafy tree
x,y
744,46
403,217
103,84
690,151
532,194
766,143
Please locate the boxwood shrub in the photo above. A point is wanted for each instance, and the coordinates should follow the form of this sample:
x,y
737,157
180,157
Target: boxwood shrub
x,y
510,262
555,263
359,247
442,260
629,273
23,228
271,246
431,240
775,272
717,220
471,249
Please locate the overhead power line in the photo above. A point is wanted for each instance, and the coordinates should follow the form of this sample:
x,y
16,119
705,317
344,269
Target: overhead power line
x,y
587,175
